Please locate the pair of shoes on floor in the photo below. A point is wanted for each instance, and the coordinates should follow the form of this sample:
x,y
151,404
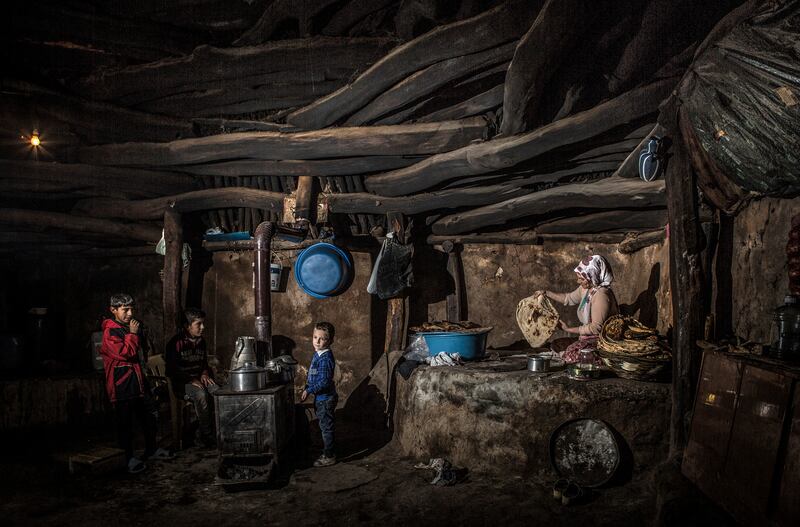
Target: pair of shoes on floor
x,y
135,465
160,453
325,461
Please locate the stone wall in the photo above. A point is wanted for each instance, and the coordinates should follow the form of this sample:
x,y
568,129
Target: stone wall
x,y
499,276
759,266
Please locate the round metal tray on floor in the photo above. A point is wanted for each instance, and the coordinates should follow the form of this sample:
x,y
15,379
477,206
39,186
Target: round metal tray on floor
x,y
584,451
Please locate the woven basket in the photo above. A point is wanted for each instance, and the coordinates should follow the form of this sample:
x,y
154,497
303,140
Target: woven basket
x,y
637,368
642,358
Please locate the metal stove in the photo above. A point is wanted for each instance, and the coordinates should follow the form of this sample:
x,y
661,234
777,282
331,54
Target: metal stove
x,y
254,428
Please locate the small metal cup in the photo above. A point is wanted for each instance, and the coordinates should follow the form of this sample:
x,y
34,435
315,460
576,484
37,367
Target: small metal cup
x,y
538,363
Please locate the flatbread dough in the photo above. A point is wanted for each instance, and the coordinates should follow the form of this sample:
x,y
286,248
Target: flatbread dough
x,y
537,318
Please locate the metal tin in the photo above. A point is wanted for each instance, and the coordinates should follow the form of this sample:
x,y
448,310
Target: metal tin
x,y
538,364
248,378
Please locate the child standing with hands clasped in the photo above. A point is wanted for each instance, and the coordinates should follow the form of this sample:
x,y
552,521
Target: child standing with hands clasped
x,y
320,385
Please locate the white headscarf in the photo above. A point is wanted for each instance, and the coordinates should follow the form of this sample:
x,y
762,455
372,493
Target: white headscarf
x,y
596,270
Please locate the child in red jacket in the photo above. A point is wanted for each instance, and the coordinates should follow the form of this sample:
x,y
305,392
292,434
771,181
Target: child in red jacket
x,y
122,361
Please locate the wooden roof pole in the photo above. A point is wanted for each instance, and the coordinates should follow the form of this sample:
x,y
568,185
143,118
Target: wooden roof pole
x,y
173,266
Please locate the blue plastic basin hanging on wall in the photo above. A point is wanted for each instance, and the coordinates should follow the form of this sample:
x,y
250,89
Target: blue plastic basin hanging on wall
x,y
323,270
469,346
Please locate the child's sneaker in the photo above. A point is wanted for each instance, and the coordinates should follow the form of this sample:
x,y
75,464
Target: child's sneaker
x,y
160,453
135,465
325,461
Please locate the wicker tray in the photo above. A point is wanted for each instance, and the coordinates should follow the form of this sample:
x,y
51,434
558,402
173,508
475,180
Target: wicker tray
x,y
650,368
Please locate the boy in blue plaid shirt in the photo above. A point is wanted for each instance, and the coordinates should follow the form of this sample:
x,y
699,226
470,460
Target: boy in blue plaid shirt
x,y
320,385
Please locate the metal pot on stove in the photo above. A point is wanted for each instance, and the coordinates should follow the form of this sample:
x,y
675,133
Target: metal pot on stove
x,y
247,378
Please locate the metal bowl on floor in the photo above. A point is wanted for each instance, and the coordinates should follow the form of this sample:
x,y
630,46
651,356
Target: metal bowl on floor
x,y
585,451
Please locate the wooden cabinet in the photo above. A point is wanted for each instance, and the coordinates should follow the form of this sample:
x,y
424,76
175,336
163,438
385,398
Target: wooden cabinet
x,y
744,443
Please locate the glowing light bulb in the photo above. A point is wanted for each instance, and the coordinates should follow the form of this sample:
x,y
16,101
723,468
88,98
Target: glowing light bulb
x,y
35,141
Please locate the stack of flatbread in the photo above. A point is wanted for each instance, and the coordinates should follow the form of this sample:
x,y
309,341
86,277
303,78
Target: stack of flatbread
x,y
537,318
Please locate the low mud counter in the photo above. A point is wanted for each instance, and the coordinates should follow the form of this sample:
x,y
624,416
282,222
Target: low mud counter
x,y
494,415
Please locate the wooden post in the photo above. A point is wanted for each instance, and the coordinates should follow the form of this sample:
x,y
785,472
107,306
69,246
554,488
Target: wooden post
x,y
304,198
173,266
396,307
687,287
455,301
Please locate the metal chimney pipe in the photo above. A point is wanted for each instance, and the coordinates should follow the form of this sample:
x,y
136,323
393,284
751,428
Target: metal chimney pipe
x,y
261,260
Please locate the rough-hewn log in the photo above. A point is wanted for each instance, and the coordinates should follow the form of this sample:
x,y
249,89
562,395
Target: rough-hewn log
x,y
140,40
301,167
396,307
209,67
365,203
224,126
686,283
173,265
352,12
227,100
41,220
609,221
59,237
456,301
558,27
198,200
88,180
427,81
279,12
304,197
409,139
502,24
249,245
95,122
505,152
213,16
610,193
684,20
635,241
525,237
80,250
478,104
716,186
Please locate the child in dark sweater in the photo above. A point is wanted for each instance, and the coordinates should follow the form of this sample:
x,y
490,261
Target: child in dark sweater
x,y
320,385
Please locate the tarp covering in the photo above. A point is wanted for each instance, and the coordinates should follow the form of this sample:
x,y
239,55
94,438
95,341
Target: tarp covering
x,y
743,101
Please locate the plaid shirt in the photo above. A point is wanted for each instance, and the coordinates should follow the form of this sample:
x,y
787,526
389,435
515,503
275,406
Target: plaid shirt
x,y
320,376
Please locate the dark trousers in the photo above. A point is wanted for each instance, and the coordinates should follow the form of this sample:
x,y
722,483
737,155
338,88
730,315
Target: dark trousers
x,y
126,412
325,414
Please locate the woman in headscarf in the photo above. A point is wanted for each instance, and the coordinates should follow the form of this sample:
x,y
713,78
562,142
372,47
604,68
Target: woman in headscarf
x,y
595,301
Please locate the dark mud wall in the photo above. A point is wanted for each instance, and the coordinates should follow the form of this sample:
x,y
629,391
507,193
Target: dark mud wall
x,y
75,292
499,276
759,266
228,300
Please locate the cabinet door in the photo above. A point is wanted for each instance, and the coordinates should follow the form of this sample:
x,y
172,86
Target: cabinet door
x,y
789,500
755,441
714,409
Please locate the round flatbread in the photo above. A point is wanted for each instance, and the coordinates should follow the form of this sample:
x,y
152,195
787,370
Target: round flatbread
x,y
537,318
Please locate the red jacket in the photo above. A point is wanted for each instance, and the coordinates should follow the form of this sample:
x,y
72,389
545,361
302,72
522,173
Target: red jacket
x,y
121,362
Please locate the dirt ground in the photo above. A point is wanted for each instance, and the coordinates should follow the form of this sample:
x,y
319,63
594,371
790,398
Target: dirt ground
x,y
372,485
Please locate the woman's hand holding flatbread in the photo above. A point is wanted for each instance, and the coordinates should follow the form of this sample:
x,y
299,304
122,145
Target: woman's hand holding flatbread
x,y
537,318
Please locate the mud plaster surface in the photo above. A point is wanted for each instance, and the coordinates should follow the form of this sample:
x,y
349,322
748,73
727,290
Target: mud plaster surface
x,y
502,421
